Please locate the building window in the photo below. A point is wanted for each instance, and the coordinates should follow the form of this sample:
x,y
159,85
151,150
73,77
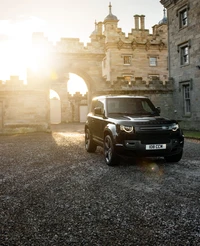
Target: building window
x,y
184,55
183,18
186,99
127,60
152,61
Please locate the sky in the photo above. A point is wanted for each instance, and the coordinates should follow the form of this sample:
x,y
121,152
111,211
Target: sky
x,y
61,18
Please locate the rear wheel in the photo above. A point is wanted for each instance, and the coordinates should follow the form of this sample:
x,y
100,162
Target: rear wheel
x,y
174,158
110,156
90,146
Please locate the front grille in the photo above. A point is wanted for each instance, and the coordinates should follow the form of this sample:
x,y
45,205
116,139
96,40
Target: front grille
x,y
155,141
154,138
153,123
151,128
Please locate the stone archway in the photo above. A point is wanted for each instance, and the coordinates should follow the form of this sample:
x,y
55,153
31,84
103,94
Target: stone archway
x,y
73,107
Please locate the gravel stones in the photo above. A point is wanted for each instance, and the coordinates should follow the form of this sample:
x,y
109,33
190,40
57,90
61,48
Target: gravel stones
x,y
52,192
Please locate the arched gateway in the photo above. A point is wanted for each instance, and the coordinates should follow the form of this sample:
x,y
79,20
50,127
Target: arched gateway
x,y
88,67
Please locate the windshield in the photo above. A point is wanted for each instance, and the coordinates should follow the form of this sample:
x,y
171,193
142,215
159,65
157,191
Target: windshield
x,y
131,106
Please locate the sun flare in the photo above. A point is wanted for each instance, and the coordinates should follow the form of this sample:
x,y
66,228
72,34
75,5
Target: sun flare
x,y
19,54
76,84
15,47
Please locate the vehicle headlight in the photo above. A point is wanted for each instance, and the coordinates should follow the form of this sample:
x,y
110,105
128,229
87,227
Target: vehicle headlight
x,y
174,127
128,129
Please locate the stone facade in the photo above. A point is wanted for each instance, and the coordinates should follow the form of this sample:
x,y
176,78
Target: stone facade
x,y
184,59
23,108
112,63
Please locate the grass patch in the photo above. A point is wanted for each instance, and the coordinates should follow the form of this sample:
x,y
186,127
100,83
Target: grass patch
x,y
191,134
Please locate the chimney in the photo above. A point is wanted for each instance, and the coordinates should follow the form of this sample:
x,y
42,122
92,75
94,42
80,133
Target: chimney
x,y
136,21
142,22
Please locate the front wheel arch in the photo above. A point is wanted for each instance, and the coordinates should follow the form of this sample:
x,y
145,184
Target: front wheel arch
x,y
174,158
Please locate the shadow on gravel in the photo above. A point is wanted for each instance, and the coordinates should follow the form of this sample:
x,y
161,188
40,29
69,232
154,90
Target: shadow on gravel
x,y
68,127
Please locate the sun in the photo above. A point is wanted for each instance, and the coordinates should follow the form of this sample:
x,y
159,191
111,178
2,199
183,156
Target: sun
x,y
16,47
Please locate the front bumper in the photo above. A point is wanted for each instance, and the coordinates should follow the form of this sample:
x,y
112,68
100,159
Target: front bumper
x,y
137,148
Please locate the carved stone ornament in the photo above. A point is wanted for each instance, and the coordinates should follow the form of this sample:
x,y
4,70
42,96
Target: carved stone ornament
x,y
120,44
161,45
134,44
147,45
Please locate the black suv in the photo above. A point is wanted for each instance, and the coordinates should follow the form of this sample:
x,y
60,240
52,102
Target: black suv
x,y
131,126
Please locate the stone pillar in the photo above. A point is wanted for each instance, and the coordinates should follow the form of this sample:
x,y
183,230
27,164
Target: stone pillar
x,y
136,21
142,22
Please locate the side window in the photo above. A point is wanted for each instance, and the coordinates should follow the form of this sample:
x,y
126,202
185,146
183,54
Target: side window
x,y
146,106
186,99
93,105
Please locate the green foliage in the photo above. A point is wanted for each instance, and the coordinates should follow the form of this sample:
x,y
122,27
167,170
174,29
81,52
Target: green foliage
x,y
192,134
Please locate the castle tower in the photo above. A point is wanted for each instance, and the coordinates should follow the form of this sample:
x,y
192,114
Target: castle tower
x,y
110,23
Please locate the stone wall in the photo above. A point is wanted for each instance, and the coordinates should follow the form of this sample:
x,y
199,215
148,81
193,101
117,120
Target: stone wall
x,y
24,109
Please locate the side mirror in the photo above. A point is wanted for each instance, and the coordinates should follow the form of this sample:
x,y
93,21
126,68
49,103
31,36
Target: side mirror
x,y
98,111
158,110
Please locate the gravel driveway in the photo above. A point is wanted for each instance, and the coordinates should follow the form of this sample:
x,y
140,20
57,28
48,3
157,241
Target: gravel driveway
x,y
52,192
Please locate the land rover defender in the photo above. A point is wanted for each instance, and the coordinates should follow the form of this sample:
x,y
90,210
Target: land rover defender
x,y
131,126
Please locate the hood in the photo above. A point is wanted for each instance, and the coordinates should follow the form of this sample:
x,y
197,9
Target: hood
x,y
144,119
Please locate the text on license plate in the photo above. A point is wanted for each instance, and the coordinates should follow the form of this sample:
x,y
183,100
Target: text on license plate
x,y
155,146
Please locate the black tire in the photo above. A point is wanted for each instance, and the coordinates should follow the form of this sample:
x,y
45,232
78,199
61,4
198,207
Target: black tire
x,y
174,158
90,146
110,156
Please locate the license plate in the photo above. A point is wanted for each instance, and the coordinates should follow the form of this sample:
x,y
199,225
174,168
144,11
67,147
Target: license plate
x,y
155,146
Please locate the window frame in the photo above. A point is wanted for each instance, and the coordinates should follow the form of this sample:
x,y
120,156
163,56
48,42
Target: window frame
x,y
151,63
181,18
184,56
186,99
127,59
185,87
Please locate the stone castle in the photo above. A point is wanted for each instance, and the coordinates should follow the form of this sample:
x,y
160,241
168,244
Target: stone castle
x,y
112,62
184,59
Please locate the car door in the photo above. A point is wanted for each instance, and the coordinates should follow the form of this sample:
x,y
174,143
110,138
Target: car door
x,y
98,120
